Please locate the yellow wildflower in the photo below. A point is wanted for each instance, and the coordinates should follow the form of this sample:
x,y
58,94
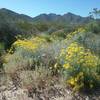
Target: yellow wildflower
x,y
66,66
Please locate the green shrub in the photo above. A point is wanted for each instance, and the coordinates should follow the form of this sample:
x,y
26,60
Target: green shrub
x,y
93,27
28,54
80,67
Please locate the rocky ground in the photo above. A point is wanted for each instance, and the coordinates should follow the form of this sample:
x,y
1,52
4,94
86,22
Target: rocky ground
x,y
10,92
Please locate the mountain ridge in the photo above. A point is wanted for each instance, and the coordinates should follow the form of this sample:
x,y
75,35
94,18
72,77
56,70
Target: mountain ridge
x,y
67,17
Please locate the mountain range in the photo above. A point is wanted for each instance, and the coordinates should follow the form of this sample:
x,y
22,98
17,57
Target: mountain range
x,y
12,23
70,18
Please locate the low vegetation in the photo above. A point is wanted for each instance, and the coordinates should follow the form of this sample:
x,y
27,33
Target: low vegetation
x,y
70,58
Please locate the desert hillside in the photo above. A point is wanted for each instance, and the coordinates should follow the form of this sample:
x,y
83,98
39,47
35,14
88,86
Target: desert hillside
x,y
50,56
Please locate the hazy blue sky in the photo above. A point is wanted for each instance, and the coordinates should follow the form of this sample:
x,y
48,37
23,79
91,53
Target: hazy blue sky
x,y
35,7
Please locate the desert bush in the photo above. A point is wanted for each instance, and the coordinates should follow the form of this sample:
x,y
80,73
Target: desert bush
x,y
46,36
90,41
27,54
59,34
35,77
25,64
93,27
31,44
17,61
80,67
75,34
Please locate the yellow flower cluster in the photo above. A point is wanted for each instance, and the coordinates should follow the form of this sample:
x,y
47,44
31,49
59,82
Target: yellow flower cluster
x,y
78,31
7,57
38,40
29,44
66,66
79,63
77,82
25,44
76,54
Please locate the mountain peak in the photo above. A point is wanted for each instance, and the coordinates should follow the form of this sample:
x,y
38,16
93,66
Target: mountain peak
x,y
70,14
3,9
6,10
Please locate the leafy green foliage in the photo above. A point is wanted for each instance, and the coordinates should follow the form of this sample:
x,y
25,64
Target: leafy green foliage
x,y
80,67
94,27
